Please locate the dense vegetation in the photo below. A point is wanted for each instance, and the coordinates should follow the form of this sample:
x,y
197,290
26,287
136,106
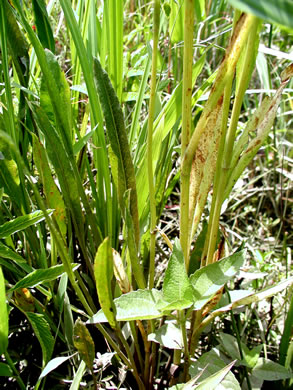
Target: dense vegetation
x,y
145,223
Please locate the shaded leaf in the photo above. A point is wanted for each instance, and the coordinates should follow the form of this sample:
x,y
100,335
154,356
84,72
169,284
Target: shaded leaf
x,y
5,370
42,22
169,335
268,370
214,380
84,343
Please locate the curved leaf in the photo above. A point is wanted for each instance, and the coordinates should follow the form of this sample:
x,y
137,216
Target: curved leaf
x,y
84,343
21,223
277,11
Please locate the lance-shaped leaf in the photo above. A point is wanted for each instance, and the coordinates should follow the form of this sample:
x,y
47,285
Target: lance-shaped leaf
x,y
39,276
208,280
263,120
84,343
21,223
42,22
42,331
136,305
119,153
103,269
3,316
17,44
177,289
54,198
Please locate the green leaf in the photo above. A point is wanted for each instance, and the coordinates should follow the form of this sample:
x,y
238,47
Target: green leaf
x,y
177,289
3,316
82,142
277,11
21,223
229,344
42,23
268,370
214,380
208,280
5,370
75,385
40,276
119,153
251,356
42,331
169,335
8,253
52,364
136,305
210,363
54,198
103,269
84,343
17,44
63,91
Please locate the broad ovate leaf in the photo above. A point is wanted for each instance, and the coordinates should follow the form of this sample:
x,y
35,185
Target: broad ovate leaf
x,y
208,280
177,289
136,305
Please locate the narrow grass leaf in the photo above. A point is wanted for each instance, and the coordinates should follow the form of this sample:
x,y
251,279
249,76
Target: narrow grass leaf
x,y
84,343
17,44
8,253
3,316
43,25
43,333
21,223
208,280
40,276
136,305
75,385
103,269
120,157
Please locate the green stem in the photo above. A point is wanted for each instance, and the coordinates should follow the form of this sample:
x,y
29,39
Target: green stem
x,y
234,325
186,124
13,368
152,199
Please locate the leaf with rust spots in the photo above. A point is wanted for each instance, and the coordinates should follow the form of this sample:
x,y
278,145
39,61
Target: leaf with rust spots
x,y
84,343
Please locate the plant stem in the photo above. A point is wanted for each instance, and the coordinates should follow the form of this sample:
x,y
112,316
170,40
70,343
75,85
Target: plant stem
x,y
186,124
152,199
13,368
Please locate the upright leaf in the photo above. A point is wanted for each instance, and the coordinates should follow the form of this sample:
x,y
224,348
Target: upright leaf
x,y
103,275
177,289
3,316
119,153
43,333
84,343
43,26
